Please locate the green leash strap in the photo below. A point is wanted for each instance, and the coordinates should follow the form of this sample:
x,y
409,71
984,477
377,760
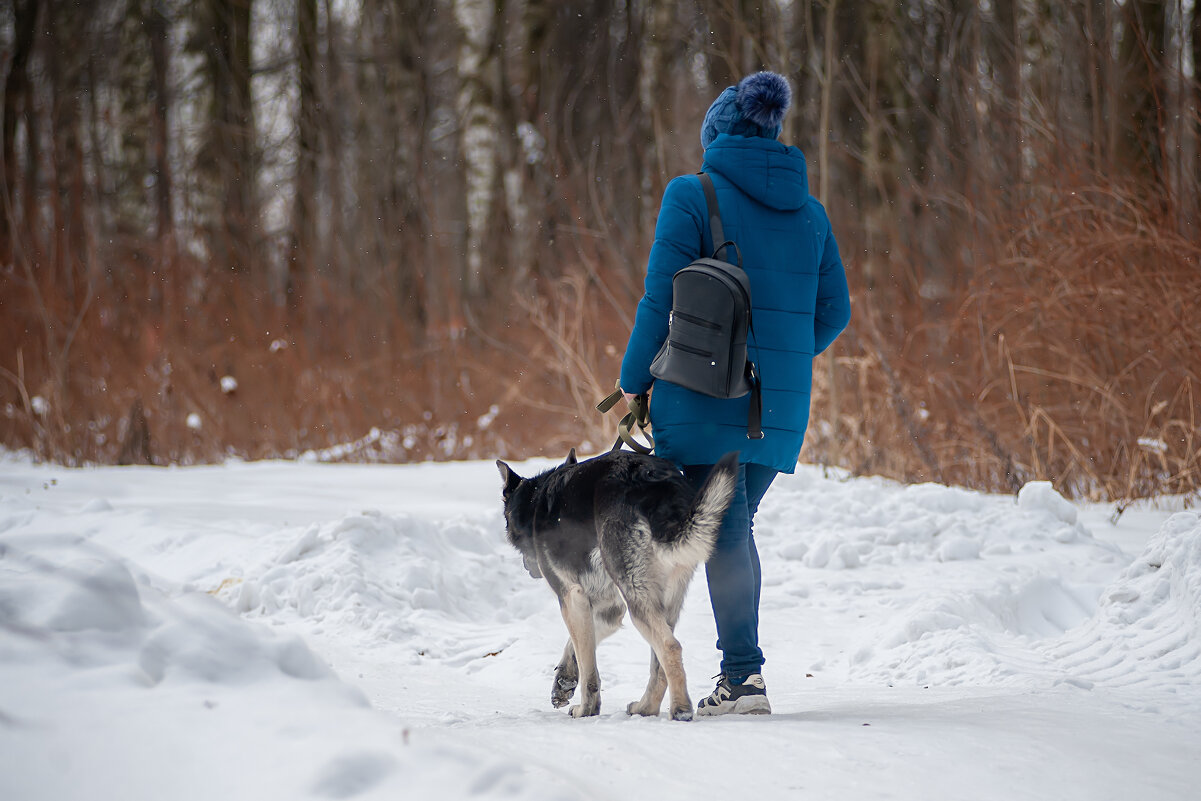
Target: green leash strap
x,y
638,416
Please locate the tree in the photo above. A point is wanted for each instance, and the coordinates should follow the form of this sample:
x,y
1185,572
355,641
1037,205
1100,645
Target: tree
x,y
16,108
477,66
1144,90
304,199
221,34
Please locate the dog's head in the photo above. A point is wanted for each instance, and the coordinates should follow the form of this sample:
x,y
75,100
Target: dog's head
x,y
518,496
520,499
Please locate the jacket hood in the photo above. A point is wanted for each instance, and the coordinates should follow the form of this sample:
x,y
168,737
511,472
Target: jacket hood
x,y
770,172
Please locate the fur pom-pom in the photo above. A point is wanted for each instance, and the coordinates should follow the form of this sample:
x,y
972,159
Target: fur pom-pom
x,y
763,98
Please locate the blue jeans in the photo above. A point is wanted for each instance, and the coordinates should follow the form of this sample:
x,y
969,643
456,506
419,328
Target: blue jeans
x,y
733,571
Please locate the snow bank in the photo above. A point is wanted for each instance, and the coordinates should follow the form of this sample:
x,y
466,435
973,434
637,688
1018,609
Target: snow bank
x,y
972,636
860,526
73,603
437,586
113,689
1147,629
1143,630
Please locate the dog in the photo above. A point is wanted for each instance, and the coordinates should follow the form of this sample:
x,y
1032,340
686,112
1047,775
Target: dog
x,y
618,531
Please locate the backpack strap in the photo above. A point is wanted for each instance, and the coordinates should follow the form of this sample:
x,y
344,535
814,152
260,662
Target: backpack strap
x,y
754,422
754,415
715,227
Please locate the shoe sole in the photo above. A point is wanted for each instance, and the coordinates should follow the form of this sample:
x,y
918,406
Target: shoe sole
x,y
746,705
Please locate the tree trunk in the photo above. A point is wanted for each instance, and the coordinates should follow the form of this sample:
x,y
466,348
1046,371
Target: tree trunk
x,y
1096,66
300,261
652,92
69,47
1006,57
157,30
729,49
444,261
829,48
829,62
1145,88
1196,101
135,446
232,137
477,113
16,87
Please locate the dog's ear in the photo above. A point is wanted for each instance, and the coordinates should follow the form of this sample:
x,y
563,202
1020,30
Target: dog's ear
x,y
507,475
571,458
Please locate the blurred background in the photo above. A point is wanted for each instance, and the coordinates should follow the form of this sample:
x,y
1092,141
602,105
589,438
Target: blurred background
x,y
401,230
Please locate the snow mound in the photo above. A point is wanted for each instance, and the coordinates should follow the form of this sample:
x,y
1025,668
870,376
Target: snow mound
x,y
66,601
112,689
861,527
1147,629
1040,496
972,637
1143,630
391,578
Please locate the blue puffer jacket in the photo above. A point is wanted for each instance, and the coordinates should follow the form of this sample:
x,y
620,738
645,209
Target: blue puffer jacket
x,y
798,294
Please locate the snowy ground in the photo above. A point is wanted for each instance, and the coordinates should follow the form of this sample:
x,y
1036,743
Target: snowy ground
x,y
292,631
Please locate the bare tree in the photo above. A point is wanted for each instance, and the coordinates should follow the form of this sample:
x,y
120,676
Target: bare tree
x,y
221,33
304,200
1145,90
478,122
16,107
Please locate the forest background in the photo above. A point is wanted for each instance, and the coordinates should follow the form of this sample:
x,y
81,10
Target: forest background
x,y
410,229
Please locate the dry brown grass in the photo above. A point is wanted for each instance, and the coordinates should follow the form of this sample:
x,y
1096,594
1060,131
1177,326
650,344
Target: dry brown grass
x,y
1075,356
342,380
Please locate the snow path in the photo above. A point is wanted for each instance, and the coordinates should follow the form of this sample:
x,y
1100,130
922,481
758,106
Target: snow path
x,y
923,642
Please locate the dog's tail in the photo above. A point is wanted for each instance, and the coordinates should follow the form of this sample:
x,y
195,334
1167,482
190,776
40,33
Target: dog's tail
x,y
708,510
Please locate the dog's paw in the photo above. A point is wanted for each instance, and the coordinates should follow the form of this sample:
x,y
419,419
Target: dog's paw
x,y
641,708
683,713
562,690
585,710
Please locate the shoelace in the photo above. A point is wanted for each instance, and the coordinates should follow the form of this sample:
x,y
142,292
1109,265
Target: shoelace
x,y
722,691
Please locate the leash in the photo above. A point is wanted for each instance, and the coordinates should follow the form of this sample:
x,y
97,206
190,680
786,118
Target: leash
x,y
639,415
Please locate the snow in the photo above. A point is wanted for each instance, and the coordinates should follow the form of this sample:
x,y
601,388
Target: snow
x,y
304,630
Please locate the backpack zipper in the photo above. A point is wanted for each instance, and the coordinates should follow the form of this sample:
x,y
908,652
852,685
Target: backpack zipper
x,y
691,319
689,349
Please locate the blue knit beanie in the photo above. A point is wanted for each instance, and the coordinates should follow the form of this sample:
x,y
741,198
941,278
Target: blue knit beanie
x,y
755,107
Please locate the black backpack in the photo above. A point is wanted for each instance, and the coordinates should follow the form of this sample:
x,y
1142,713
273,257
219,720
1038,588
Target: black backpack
x,y
706,346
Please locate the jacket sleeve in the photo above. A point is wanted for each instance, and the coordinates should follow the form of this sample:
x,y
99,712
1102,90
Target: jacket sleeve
x,y
833,312
677,243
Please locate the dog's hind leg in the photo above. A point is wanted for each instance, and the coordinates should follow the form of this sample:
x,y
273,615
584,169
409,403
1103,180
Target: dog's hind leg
x,y
577,614
673,601
654,627
656,686
567,676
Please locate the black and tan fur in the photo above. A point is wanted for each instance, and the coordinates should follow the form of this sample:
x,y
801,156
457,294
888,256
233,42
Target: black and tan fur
x,y
615,532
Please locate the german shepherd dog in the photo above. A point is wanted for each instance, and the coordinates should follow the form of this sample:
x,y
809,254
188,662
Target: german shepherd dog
x,y
619,531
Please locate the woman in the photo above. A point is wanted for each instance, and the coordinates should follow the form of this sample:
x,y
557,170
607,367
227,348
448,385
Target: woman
x,y
800,304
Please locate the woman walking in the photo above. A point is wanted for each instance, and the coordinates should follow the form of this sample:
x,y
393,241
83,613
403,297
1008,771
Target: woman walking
x,y
800,305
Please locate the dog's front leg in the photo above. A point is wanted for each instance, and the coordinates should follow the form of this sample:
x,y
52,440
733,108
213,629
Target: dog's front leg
x,y
567,676
577,614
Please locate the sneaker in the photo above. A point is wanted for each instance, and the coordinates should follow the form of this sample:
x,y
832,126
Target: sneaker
x,y
748,698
